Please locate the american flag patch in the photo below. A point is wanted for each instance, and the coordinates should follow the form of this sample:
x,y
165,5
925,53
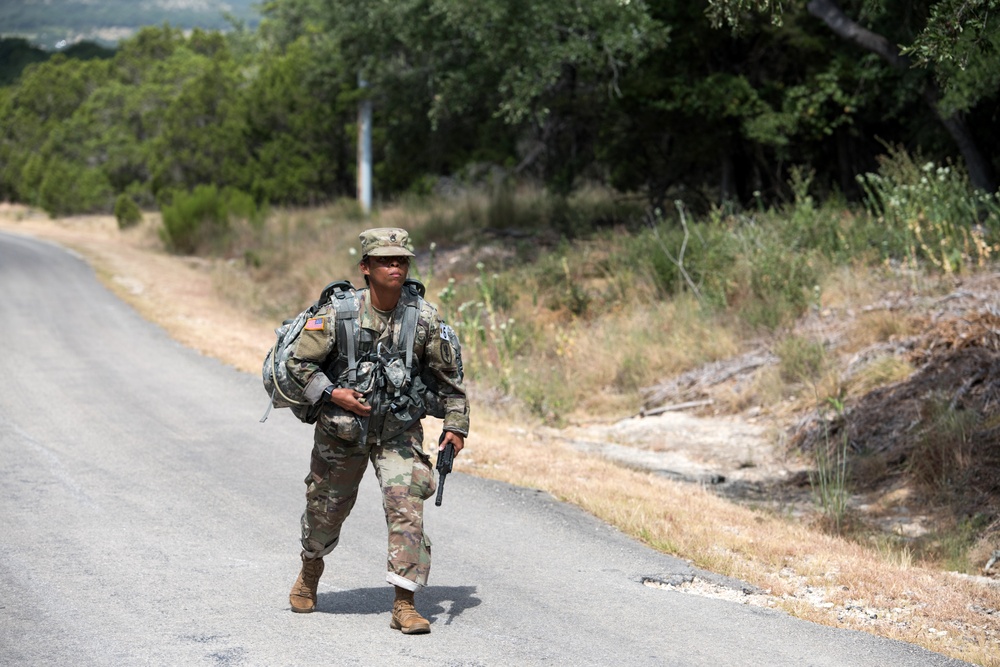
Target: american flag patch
x,y
315,324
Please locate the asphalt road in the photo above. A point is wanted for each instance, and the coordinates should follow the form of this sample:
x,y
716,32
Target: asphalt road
x,y
149,519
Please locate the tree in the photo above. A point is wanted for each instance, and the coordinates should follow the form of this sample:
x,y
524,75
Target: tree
x,y
299,109
955,42
202,135
445,64
46,95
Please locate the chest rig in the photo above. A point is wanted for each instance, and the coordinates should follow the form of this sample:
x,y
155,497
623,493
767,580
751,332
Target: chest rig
x,y
380,365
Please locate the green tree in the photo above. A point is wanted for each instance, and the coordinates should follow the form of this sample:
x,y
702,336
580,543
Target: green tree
x,y
952,40
299,110
46,96
201,136
440,70
16,54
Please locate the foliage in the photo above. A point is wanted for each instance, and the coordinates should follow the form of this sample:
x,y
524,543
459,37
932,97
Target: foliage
x,y
16,54
642,97
298,120
957,39
961,43
730,261
928,212
127,212
200,220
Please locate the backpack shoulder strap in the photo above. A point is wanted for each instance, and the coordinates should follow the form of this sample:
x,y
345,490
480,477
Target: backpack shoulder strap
x,y
344,299
414,291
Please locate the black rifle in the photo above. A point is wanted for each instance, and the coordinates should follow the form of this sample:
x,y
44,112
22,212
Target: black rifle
x,y
446,457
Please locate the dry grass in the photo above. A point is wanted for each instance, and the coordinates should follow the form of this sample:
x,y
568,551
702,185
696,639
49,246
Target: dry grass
x,y
636,347
804,571
810,574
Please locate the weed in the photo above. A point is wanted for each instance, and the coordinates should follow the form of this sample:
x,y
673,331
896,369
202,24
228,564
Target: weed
x,y
829,481
942,453
801,359
928,212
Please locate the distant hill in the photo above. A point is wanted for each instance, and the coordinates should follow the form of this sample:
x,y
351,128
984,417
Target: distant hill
x,y
55,24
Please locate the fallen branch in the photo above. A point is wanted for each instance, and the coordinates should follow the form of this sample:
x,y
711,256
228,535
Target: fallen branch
x,y
643,412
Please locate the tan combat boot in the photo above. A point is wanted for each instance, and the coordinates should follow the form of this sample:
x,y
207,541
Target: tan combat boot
x,y
405,618
303,595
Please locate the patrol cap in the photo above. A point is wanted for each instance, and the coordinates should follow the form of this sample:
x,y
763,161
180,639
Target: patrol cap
x,y
385,241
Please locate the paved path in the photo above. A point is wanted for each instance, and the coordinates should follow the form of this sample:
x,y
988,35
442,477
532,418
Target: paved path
x,y
149,519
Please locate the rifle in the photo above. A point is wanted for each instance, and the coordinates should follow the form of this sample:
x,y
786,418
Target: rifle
x,y
445,458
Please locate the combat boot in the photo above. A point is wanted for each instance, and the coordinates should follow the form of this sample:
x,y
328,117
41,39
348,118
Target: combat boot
x,y
303,595
405,617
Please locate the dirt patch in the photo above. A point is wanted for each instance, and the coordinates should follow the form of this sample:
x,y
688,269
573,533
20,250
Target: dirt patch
x,y
933,438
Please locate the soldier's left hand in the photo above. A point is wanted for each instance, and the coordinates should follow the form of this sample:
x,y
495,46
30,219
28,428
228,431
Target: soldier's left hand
x,y
455,439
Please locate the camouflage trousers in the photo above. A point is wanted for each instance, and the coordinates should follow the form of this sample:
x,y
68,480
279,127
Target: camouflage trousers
x,y
406,478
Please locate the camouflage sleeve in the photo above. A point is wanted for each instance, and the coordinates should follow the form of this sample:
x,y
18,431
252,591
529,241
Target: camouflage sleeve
x,y
439,357
316,342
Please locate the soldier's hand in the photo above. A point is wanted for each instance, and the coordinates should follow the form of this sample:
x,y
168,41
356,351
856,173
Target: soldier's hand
x,y
351,400
455,439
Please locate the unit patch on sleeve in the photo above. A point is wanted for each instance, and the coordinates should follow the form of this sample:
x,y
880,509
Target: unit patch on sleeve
x,y
315,324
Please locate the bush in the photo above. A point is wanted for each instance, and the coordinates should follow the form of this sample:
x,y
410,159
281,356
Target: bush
x,y
70,189
729,261
127,212
200,220
193,219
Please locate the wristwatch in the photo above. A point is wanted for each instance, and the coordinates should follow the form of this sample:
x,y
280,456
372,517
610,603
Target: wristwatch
x,y
328,393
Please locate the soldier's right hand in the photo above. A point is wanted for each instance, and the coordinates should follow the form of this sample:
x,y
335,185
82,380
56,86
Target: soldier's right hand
x,y
351,400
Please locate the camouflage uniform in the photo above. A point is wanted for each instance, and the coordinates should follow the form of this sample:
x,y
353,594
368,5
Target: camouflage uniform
x,y
345,442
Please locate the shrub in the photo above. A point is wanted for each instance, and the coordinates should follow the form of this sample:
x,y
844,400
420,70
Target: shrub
x,y
194,219
127,212
200,220
69,189
802,360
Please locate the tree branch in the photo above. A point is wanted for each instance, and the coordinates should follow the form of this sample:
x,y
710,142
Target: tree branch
x,y
980,170
830,13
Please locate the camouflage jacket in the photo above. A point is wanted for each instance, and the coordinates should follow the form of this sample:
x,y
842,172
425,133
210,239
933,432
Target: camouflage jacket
x,y
314,365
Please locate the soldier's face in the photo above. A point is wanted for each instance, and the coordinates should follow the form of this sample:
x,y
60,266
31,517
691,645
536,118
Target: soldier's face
x,y
386,272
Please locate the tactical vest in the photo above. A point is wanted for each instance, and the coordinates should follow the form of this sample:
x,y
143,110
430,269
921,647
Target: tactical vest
x,y
399,391
385,373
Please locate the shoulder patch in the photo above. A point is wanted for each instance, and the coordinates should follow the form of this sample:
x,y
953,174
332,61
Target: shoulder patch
x,y
314,324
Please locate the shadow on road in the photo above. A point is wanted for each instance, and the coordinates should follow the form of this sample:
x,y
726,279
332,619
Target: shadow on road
x,y
433,602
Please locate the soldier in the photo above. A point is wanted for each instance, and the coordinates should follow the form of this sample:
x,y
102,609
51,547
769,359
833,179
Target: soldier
x,y
370,411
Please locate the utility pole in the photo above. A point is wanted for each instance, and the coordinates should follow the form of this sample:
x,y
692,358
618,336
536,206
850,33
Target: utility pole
x,y
364,150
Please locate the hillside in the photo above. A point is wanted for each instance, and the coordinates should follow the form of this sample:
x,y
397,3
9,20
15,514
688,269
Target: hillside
x,y
53,24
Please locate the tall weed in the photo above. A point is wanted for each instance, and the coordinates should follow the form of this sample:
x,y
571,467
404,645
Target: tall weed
x,y
830,481
942,454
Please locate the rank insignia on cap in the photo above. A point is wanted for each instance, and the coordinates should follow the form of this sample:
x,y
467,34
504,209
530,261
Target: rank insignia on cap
x,y
315,324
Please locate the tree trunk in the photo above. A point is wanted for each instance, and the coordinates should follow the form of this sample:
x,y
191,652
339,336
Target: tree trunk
x,y
978,167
